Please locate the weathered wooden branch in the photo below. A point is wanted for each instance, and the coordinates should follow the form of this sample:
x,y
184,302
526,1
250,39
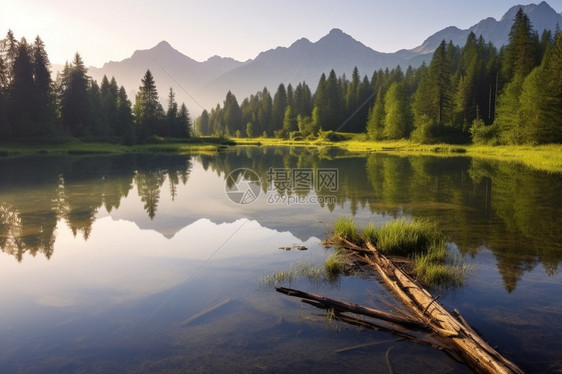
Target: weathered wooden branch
x,y
479,353
428,314
426,337
354,308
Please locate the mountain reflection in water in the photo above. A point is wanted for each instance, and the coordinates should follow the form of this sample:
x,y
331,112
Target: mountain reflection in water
x,y
506,208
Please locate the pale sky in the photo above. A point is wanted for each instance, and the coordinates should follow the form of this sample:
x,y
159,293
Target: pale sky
x,y
111,30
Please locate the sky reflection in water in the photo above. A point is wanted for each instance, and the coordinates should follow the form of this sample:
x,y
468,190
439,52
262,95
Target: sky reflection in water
x,y
143,243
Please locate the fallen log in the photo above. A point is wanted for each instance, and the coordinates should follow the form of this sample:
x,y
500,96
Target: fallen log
x,y
479,354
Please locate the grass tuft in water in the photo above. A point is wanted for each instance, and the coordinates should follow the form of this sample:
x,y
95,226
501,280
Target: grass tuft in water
x,y
437,273
421,240
369,233
279,276
402,238
333,265
316,274
345,227
338,263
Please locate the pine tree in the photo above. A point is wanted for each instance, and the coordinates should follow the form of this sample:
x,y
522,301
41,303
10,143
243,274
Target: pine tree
x,y
232,115
375,123
109,92
9,48
3,74
521,52
21,93
99,127
202,124
303,100
148,111
541,100
4,128
123,126
290,95
356,107
465,98
334,104
397,122
552,73
184,126
433,99
172,115
289,121
352,93
216,124
280,103
365,98
264,122
74,98
44,101
320,101
441,90
508,118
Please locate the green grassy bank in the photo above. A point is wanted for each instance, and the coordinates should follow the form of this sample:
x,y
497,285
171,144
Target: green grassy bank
x,y
76,147
543,157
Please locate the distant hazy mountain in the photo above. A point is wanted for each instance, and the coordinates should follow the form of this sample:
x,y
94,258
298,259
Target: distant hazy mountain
x,y
304,61
204,84
170,68
542,17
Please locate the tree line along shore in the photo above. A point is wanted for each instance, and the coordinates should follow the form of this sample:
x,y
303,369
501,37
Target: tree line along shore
x,y
476,97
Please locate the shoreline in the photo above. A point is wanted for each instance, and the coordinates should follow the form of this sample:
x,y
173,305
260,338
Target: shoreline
x,y
543,157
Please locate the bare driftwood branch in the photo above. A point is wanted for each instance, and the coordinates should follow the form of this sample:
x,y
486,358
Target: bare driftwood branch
x,y
354,308
204,312
426,337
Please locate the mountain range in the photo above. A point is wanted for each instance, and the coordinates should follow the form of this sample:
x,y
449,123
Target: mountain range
x,y
202,85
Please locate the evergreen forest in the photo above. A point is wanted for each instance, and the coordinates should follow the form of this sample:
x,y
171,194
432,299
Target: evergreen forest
x,y
476,93
36,108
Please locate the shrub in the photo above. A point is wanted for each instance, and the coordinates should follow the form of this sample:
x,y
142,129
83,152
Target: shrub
x,y
482,134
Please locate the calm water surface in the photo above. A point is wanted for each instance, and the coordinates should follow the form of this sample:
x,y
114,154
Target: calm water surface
x,y
105,261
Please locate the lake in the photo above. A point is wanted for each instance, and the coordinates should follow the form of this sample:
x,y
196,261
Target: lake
x,y
163,263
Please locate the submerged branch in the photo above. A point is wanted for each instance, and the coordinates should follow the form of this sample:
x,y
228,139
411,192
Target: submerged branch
x,y
354,308
205,312
426,314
